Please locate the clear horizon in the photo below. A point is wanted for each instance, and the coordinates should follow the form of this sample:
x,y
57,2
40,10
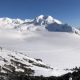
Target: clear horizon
x,y
66,11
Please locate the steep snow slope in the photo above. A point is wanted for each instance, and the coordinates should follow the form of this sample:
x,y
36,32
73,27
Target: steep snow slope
x,y
13,61
17,62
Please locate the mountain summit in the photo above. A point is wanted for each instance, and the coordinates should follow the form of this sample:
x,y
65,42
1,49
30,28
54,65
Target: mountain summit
x,y
47,20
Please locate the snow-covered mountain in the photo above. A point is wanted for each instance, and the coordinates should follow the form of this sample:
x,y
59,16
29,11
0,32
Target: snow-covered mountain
x,y
13,62
40,23
48,23
42,38
43,20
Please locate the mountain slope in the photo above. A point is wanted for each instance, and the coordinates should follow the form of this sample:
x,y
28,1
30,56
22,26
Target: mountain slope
x,y
15,62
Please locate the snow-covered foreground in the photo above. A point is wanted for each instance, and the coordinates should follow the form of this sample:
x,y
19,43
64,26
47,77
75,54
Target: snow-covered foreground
x,y
45,45
11,61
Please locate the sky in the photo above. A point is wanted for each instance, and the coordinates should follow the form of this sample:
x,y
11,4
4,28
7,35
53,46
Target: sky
x,y
67,11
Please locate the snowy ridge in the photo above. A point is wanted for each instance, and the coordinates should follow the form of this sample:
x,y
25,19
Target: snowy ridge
x,y
13,61
17,62
8,23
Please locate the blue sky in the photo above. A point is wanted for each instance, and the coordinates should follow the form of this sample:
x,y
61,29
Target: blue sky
x,y
67,11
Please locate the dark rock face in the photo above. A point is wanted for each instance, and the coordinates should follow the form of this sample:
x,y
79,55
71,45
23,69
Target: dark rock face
x,y
21,76
59,28
75,75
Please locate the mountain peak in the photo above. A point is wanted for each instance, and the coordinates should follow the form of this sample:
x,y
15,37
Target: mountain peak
x,y
47,19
